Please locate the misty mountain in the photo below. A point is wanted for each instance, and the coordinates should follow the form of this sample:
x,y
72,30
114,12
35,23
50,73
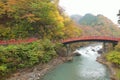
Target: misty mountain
x,y
76,18
96,25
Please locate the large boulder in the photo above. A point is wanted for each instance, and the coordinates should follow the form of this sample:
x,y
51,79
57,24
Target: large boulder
x,y
76,54
69,59
61,51
100,51
93,50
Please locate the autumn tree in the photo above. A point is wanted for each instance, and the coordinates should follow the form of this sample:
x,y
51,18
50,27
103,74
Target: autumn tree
x,y
35,18
30,17
71,29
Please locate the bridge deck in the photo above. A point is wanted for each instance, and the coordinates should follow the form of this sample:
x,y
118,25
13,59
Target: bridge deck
x,y
91,38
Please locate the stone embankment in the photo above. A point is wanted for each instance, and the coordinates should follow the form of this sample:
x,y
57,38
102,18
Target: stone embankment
x,y
102,60
38,71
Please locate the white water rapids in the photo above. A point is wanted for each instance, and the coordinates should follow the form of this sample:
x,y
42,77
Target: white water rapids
x,y
84,67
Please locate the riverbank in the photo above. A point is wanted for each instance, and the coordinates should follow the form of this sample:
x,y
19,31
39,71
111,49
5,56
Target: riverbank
x,y
84,67
111,68
37,71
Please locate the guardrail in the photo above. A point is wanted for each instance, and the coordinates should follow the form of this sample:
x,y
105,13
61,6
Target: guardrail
x,y
19,41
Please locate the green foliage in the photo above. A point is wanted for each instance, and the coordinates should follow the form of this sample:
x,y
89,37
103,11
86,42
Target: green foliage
x,y
5,33
89,20
99,24
118,74
3,69
13,57
32,18
71,29
28,18
114,57
117,47
92,20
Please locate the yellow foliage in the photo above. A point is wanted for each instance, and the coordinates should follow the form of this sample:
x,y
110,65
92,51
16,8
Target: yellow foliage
x,y
12,2
1,8
71,29
117,47
31,17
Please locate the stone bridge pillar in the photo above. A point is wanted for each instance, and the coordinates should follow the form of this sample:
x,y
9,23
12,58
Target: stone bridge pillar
x,y
68,49
114,44
105,46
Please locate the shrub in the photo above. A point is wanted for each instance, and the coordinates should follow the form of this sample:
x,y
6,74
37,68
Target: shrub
x,y
118,74
117,47
13,57
114,57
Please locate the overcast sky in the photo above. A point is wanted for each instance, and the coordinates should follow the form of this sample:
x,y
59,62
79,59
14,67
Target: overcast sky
x,y
108,8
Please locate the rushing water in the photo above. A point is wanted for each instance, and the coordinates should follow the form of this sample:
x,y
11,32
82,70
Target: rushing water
x,y
84,67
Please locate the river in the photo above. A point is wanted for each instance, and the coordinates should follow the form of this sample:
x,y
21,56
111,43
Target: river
x,y
84,67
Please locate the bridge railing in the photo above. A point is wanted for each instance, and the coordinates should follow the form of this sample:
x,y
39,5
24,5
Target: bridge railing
x,y
19,41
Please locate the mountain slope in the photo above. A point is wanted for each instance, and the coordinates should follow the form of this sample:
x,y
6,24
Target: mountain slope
x,y
97,25
76,18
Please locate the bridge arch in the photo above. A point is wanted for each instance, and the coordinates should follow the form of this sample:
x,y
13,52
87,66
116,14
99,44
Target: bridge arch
x,y
103,39
91,38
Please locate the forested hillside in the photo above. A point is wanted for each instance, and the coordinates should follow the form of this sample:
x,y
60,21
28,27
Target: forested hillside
x,y
41,19
33,18
97,25
101,26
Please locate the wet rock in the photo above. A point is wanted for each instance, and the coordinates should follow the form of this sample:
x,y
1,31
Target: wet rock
x,y
100,60
76,54
112,78
100,51
93,50
69,59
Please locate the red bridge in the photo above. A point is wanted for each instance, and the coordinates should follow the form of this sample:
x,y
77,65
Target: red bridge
x,y
103,39
91,38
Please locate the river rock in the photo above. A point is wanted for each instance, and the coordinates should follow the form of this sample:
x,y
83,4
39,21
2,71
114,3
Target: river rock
x,y
112,78
69,59
100,51
76,54
93,50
